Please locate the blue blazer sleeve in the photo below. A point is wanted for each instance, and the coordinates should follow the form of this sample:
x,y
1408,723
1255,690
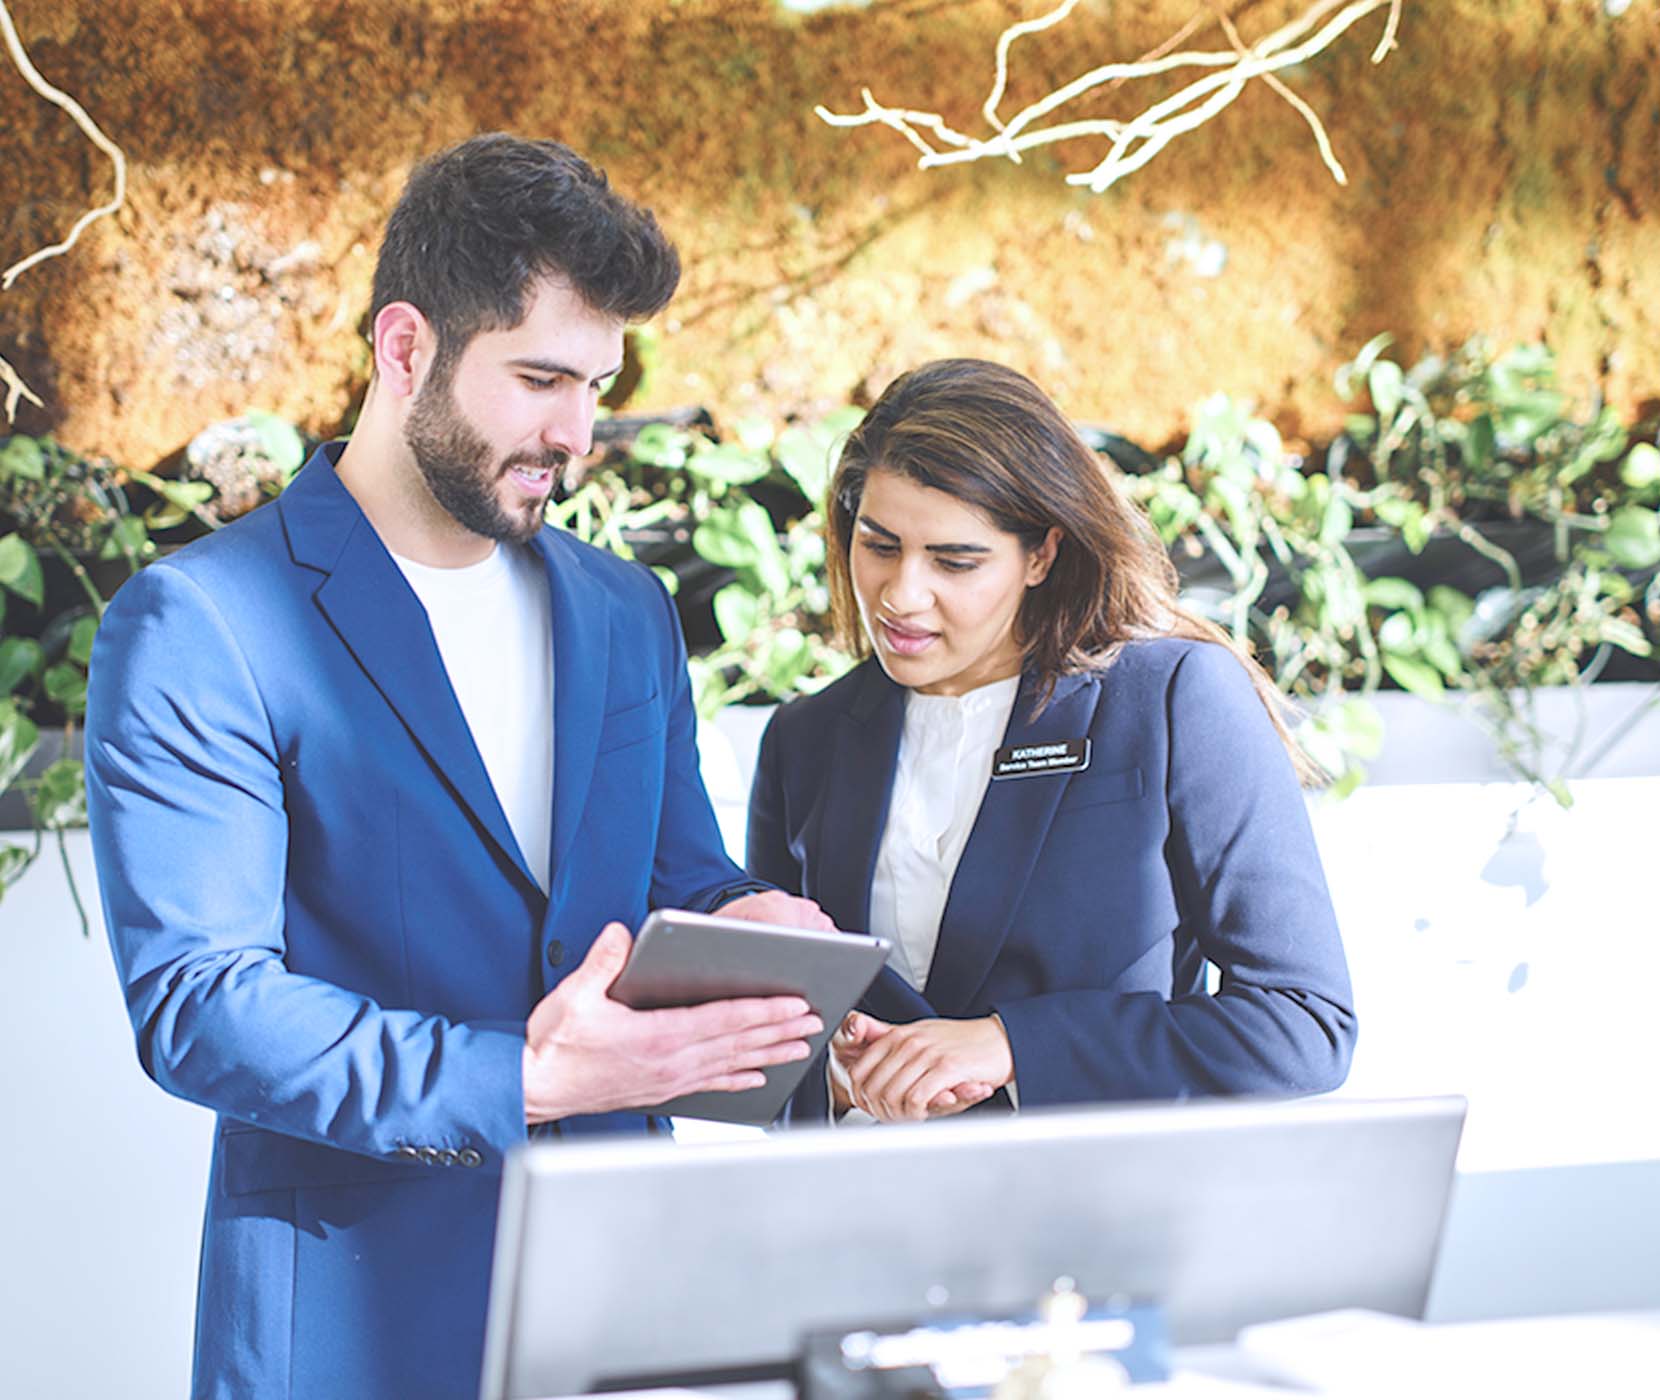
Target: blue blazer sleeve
x,y
1252,899
186,803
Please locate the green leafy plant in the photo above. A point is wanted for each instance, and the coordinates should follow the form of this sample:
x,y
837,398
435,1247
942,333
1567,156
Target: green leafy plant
x,y
71,529
1455,450
751,506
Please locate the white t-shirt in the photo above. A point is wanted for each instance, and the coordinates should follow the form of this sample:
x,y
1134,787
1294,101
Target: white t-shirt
x,y
493,622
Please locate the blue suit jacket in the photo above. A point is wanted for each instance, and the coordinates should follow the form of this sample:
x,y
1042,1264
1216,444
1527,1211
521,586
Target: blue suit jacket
x,y
326,930
1086,905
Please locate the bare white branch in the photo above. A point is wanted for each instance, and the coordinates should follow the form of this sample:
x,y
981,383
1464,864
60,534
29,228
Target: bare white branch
x,y
16,389
59,98
1004,40
1135,142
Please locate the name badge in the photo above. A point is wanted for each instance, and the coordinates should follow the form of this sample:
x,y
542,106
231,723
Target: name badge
x,y
1031,760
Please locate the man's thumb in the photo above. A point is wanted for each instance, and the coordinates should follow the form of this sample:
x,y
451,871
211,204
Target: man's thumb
x,y
608,955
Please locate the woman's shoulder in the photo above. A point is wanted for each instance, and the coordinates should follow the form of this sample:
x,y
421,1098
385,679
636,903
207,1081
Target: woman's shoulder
x,y
1162,657
865,685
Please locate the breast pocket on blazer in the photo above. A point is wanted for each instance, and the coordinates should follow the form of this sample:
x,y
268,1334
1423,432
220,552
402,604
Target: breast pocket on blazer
x,y
1092,788
631,723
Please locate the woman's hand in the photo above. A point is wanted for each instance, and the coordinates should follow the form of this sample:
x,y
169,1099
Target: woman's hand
x,y
926,1069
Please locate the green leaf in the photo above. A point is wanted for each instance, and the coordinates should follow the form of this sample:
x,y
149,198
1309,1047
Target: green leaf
x,y
1385,382
20,658
1393,593
667,577
1397,633
1641,468
1324,746
1456,607
1338,521
722,538
1443,655
787,658
805,455
18,738
14,860
1625,636
80,640
60,800
22,457
754,434
1480,444
66,684
736,611
129,538
1633,537
1411,674
279,440
661,445
1234,501
728,464
771,565
1361,365
1558,789
20,569
1352,777
1358,726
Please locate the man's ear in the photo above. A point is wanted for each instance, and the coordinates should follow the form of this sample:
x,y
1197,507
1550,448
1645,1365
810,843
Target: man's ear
x,y
404,345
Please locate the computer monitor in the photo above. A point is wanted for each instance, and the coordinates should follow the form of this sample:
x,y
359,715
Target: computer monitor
x,y
640,1261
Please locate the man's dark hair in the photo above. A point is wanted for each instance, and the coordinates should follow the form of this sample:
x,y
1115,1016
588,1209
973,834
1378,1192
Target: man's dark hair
x,y
479,223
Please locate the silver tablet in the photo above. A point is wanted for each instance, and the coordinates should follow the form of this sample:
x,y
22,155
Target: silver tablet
x,y
682,959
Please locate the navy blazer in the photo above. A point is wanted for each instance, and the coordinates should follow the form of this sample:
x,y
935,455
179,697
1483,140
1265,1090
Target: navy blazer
x,y
326,931
1086,905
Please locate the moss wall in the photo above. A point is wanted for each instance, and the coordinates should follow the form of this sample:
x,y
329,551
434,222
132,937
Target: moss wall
x,y
1504,177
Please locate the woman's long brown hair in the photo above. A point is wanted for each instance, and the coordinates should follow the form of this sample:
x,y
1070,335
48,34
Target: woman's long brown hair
x,y
988,436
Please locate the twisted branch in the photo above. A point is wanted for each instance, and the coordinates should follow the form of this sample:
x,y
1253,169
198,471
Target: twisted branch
x,y
15,387
1137,141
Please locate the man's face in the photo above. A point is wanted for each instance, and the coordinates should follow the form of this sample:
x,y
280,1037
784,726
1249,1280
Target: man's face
x,y
489,430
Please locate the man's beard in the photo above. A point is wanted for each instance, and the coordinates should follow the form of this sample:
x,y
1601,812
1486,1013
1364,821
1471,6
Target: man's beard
x,y
457,464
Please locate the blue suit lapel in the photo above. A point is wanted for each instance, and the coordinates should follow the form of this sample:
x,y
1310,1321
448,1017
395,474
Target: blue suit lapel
x,y
581,666
865,749
1003,848
381,622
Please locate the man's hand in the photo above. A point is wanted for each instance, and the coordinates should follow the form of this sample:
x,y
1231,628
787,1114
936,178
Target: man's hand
x,y
585,1053
927,1069
776,907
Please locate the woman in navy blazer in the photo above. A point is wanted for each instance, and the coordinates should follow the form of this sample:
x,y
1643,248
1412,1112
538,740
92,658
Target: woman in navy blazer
x,y
1141,820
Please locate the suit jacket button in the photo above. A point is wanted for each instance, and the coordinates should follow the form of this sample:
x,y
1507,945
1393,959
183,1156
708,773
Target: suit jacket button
x,y
468,1157
556,953
446,1158
429,1155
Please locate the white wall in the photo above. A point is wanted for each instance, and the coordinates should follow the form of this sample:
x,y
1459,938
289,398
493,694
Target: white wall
x,y
101,1188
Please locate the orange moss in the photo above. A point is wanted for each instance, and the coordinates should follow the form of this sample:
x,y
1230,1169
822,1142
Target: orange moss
x,y
1502,166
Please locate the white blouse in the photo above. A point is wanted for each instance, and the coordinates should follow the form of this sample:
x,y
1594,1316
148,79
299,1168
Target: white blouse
x,y
945,755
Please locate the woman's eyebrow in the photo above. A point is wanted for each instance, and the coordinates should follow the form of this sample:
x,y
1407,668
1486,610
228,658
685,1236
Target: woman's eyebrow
x,y
887,534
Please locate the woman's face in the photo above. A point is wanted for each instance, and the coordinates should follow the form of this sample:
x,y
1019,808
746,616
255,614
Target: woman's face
x,y
939,586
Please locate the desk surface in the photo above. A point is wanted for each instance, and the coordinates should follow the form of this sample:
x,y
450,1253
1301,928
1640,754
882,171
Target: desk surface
x,y
1370,1356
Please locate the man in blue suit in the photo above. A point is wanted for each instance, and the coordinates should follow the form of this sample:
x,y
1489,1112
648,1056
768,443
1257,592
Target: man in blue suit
x,y
371,771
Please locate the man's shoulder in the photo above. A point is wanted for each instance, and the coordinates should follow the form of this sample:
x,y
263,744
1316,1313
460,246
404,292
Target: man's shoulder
x,y
235,557
626,577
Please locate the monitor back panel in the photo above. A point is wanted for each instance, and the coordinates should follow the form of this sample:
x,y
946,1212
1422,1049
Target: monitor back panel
x,y
629,1260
